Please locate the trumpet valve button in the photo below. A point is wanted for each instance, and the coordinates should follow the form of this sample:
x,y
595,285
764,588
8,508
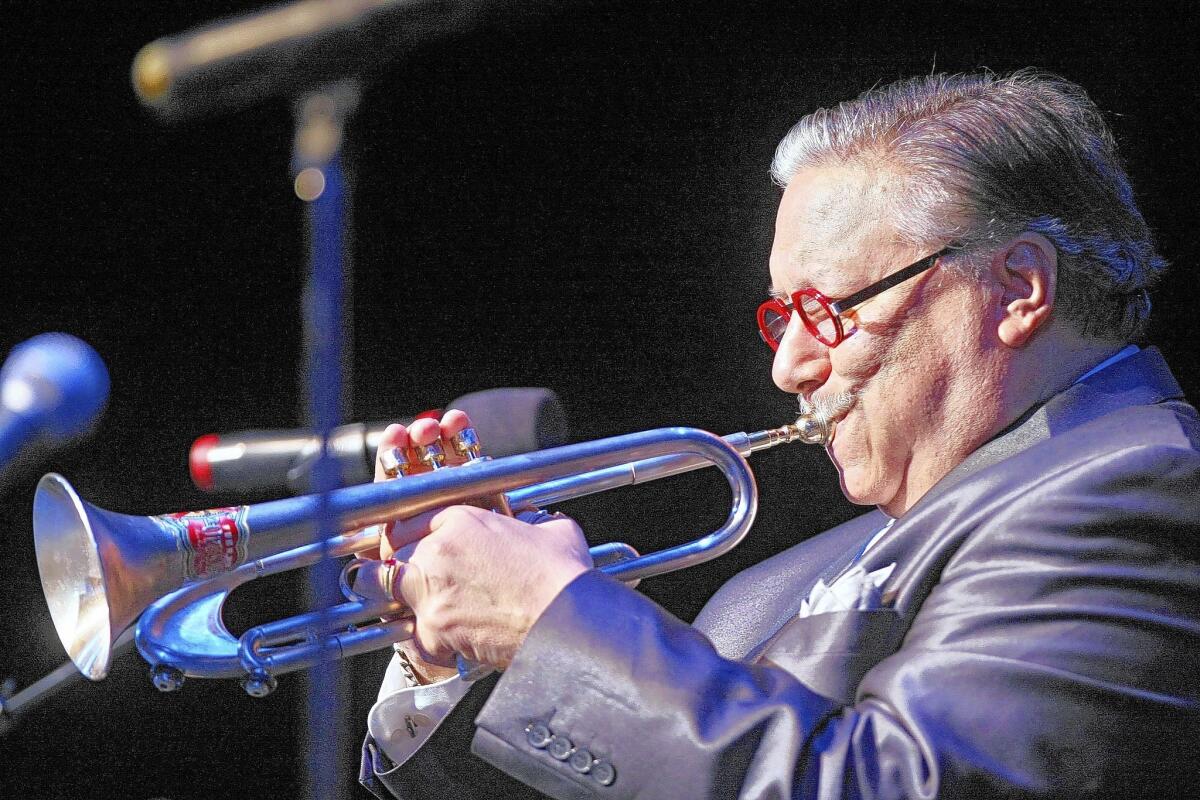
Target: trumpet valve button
x,y
166,678
394,462
466,444
432,455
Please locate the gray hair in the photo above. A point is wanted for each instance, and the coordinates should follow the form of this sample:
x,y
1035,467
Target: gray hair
x,y
983,157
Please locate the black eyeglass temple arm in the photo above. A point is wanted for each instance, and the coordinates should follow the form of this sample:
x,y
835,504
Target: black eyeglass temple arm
x,y
895,279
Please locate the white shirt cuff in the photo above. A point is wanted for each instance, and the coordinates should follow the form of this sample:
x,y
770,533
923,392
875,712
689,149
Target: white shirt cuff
x,y
404,717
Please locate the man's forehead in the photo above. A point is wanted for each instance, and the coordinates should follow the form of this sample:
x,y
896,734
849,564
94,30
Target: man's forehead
x,y
828,206
829,221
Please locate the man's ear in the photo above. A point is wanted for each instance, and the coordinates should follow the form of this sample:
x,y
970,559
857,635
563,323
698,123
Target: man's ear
x,y
1027,269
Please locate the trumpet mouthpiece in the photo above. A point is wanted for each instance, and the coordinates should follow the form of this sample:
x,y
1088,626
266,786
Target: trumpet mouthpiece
x,y
818,418
815,425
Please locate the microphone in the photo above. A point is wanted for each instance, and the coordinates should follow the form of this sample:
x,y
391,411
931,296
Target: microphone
x,y
509,421
52,389
289,49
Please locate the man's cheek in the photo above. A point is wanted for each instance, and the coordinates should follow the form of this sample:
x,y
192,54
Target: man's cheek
x,y
859,355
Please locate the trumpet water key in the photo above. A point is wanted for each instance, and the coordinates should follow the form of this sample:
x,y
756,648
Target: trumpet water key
x,y
102,570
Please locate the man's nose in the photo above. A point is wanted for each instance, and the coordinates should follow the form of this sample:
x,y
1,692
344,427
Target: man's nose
x,y
801,363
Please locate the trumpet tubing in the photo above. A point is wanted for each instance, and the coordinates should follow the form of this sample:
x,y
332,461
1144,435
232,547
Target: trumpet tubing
x,y
102,570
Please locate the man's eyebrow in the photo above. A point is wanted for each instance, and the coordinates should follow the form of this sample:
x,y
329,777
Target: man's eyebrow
x,y
832,281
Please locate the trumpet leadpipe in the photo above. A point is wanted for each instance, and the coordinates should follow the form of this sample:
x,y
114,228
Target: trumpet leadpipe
x,y
652,469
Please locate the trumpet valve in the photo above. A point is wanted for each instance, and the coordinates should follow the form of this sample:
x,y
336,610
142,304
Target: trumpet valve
x,y
466,444
431,455
395,462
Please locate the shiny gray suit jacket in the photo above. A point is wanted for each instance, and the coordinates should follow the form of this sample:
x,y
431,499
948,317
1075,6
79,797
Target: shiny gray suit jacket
x,y
1039,637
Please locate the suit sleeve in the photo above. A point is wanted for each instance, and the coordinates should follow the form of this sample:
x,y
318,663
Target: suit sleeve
x,y
658,713
1053,656
443,766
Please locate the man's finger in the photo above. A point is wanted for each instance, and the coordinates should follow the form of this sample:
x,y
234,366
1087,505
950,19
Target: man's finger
x,y
409,585
394,435
375,579
406,531
429,649
424,432
454,422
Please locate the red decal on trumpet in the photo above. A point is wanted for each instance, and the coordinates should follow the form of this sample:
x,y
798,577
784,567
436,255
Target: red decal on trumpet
x,y
212,541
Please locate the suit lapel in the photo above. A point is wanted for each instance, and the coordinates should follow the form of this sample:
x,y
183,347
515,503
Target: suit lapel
x,y
749,610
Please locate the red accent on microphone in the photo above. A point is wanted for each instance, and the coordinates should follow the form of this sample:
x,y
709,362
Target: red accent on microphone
x,y
198,463
433,413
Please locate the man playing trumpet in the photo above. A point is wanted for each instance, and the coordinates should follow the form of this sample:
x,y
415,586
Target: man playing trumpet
x,y
960,274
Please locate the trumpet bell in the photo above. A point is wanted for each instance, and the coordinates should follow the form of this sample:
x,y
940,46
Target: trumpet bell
x,y
96,580
68,559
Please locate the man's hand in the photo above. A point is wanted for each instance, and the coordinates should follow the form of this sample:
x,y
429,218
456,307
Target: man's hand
x,y
476,580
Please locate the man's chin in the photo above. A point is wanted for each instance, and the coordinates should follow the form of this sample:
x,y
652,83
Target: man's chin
x,y
858,498
857,486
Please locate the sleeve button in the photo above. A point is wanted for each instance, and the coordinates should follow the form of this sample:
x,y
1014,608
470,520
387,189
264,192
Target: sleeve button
x,y
604,772
581,760
560,747
538,735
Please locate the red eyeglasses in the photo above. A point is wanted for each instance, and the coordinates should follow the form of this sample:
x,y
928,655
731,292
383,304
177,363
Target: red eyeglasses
x,y
822,316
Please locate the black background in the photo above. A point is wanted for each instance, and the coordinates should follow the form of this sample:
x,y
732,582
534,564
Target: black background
x,y
580,202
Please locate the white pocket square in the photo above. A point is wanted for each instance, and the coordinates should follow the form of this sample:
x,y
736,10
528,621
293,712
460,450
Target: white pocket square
x,y
854,590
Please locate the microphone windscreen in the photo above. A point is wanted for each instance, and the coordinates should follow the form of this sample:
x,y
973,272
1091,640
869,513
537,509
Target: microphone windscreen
x,y
57,382
515,420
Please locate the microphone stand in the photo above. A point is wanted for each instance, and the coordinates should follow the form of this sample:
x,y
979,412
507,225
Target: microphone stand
x,y
15,706
323,182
